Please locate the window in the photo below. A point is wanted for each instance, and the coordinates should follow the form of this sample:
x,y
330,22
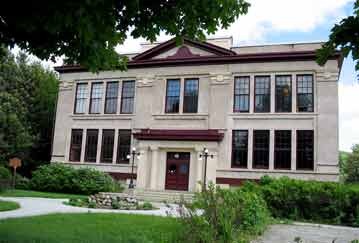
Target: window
x,y
108,136
173,95
124,146
96,96
305,155
241,94
76,143
240,148
190,96
262,94
128,96
283,93
261,149
91,145
282,149
305,99
111,97
80,98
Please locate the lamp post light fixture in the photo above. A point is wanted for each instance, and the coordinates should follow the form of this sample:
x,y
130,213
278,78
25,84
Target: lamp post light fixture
x,y
132,154
205,154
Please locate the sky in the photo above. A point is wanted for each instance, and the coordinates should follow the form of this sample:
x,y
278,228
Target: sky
x,y
288,21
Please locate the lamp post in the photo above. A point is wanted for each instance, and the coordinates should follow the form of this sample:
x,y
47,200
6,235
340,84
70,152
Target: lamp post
x,y
205,154
132,154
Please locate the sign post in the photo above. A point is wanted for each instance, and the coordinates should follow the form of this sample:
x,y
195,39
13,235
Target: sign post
x,y
14,163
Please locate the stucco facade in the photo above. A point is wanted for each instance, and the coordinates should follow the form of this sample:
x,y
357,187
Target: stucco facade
x,y
215,112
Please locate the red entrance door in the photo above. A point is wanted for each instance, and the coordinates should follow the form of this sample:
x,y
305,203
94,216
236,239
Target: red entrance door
x,y
177,171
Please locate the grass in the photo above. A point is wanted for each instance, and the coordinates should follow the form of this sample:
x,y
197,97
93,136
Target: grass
x,y
27,193
7,206
89,228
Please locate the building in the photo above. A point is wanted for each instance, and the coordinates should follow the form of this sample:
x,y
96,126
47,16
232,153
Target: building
x,y
259,110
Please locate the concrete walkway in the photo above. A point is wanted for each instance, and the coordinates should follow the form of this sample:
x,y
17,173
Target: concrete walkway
x,y
41,206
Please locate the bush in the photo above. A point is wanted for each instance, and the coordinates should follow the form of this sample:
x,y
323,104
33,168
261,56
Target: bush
x,y
22,183
226,216
323,202
350,169
5,173
61,178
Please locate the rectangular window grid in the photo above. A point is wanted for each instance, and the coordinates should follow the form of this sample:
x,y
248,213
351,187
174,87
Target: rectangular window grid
x,y
96,96
173,96
305,149
80,98
261,149
108,137
127,97
241,94
76,144
124,146
240,148
282,149
91,145
111,98
262,94
283,93
190,99
305,98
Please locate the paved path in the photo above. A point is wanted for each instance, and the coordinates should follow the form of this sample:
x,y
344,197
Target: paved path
x,y
309,233
40,206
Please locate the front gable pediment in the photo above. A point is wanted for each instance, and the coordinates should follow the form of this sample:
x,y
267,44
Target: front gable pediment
x,y
189,49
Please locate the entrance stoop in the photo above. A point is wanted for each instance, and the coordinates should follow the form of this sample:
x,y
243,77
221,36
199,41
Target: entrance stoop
x,y
169,196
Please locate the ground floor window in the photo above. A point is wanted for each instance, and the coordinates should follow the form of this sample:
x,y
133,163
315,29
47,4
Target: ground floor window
x,y
305,149
282,149
108,137
240,148
91,145
124,146
261,149
76,143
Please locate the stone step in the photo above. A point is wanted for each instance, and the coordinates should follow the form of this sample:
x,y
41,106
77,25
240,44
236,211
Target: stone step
x,y
164,196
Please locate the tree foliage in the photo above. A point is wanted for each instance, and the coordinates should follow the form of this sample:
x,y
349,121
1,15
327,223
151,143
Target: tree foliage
x,y
27,106
87,32
344,36
351,166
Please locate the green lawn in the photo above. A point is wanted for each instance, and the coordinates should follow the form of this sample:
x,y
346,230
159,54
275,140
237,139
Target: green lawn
x,y
25,193
6,205
89,228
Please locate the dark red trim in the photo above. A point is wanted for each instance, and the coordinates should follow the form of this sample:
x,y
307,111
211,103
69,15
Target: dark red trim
x,y
179,135
234,181
215,60
122,176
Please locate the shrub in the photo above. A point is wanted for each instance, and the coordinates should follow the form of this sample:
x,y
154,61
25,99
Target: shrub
x,y
350,169
22,183
56,177
226,216
324,202
5,173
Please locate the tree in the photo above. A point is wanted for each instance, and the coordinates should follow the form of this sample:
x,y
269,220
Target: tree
x,y
351,168
27,108
344,36
86,32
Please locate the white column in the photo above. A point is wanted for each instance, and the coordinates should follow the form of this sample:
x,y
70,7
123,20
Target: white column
x,y
199,169
115,145
154,163
119,97
250,148
142,169
181,95
251,94
99,142
272,93
271,149
294,93
294,150
83,146
104,84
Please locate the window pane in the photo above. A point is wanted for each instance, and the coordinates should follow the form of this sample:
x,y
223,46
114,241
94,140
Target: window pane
x,y
128,95
108,137
241,94
240,148
261,149
111,97
305,99
262,94
96,96
76,143
91,145
283,93
80,99
282,149
173,95
190,99
124,146
305,149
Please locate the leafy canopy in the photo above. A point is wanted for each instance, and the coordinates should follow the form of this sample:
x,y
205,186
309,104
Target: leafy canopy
x,y
344,36
87,31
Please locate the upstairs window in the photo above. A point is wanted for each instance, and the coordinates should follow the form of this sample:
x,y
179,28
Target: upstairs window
x,y
111,98
96,96
283,93
261,149
190,96
305,149
241,94
108,137
262,94
76,143
305,98
173,96
80,98
282,149
240,148
124,146
127,97
91,145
